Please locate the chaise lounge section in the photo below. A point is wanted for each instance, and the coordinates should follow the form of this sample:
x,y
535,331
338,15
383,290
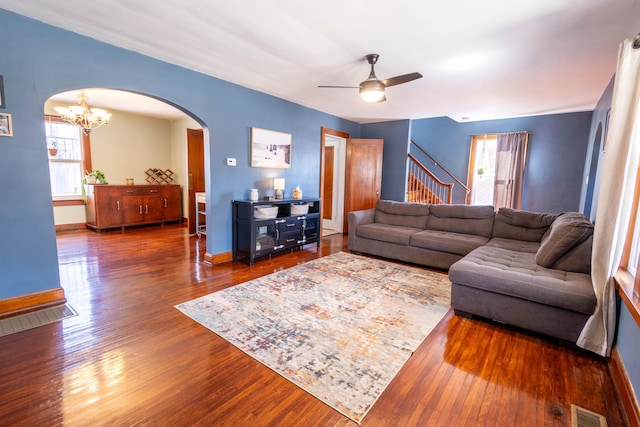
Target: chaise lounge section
x,y
530,270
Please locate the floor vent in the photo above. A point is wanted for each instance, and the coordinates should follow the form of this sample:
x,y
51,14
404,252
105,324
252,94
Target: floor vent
x,y
581,417
34,319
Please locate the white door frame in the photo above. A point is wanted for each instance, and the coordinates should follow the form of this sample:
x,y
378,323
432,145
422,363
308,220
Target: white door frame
x,y
339,165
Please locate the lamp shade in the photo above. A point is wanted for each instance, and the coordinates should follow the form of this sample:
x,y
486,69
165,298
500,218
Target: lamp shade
x,y
278,184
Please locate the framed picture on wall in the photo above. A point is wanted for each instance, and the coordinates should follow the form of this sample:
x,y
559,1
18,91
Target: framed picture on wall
x,y
2,103
270,149
5,125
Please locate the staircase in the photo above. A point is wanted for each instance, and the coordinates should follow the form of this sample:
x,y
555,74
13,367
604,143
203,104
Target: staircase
x,y
423,186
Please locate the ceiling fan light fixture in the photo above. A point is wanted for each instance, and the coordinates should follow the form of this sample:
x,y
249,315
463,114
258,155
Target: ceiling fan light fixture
x,y
372,90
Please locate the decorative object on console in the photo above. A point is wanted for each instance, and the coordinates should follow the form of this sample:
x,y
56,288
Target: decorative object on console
x,y
159,176
253,195
278,185
297,193
95,177
6,129
84,117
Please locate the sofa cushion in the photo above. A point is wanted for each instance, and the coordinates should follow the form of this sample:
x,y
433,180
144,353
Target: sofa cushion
x,y
514,245
401,213
521,225
577,259
564,234
518,275
444,241
463,219
386,233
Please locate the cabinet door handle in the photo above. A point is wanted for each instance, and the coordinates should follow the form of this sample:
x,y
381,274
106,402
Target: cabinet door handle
x,y
140,206
146,208
291,225
165,203
118,204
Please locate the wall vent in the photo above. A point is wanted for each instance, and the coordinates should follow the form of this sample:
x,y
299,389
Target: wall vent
x,y
581,417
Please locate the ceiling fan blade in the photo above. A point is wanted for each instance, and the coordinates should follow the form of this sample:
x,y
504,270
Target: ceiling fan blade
x,y
341,87
401,79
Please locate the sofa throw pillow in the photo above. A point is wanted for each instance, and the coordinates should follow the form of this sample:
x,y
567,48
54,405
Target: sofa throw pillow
x,y
565,233
521,225
401,213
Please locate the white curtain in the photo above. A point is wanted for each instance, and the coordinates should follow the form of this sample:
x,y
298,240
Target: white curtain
x,y
511,153
615,200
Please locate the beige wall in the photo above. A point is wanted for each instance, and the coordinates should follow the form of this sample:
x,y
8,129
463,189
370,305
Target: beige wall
x,y
128,146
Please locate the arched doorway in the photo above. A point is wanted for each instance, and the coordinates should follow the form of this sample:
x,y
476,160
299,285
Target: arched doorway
x,y
143,133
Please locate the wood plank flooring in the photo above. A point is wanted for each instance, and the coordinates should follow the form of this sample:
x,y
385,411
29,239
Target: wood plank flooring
x,y
130,358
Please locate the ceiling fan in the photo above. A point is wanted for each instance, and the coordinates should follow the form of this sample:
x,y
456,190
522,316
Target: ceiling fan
x,y
372,89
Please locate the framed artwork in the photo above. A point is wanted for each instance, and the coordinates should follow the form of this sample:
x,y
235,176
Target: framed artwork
x,y
270,149
5,125
2,103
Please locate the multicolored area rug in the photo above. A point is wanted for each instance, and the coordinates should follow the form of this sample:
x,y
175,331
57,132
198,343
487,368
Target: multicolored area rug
x,y
340,327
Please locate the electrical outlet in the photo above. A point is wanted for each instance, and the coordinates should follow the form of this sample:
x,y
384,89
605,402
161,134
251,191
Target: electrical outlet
x,y
231,161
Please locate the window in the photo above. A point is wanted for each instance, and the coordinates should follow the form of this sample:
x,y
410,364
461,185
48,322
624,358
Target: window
x,y
69,158
496,169
631,251
482,163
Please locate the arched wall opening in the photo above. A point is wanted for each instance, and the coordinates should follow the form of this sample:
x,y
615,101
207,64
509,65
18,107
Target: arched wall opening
x,y
144,133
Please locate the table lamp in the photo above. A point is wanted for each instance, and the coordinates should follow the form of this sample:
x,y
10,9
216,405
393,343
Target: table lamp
x,y
278,185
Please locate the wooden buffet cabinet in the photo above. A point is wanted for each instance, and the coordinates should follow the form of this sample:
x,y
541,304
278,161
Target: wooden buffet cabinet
x,y
118,206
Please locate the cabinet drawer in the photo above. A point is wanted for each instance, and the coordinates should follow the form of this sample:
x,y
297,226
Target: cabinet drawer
x,y
288,224
140,190
290,238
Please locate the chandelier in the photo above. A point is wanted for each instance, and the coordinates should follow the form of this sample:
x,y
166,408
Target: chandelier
x,y
82,116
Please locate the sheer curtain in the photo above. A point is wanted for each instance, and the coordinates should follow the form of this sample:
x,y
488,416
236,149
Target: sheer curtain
x,y
616,198
510,157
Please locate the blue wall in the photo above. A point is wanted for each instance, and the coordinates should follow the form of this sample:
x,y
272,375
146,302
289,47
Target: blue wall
x,y
555,157
39,61
599,119
394,158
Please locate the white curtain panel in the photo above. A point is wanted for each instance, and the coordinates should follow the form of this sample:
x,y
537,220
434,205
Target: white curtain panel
x,y
615,200
511,153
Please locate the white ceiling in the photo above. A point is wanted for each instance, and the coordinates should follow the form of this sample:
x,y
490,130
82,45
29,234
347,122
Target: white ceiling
x,y
480,59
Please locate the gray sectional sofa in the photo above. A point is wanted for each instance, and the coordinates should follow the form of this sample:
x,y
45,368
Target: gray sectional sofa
x,y
530,270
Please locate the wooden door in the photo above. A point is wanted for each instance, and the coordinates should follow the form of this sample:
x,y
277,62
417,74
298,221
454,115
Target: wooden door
x,y
195,170
170,197
327,195
363,175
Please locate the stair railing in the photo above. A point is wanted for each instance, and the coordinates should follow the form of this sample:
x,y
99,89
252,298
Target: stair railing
x,y
425,187
445,170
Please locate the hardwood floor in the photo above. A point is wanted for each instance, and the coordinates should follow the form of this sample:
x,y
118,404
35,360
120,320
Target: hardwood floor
x,y
131,358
